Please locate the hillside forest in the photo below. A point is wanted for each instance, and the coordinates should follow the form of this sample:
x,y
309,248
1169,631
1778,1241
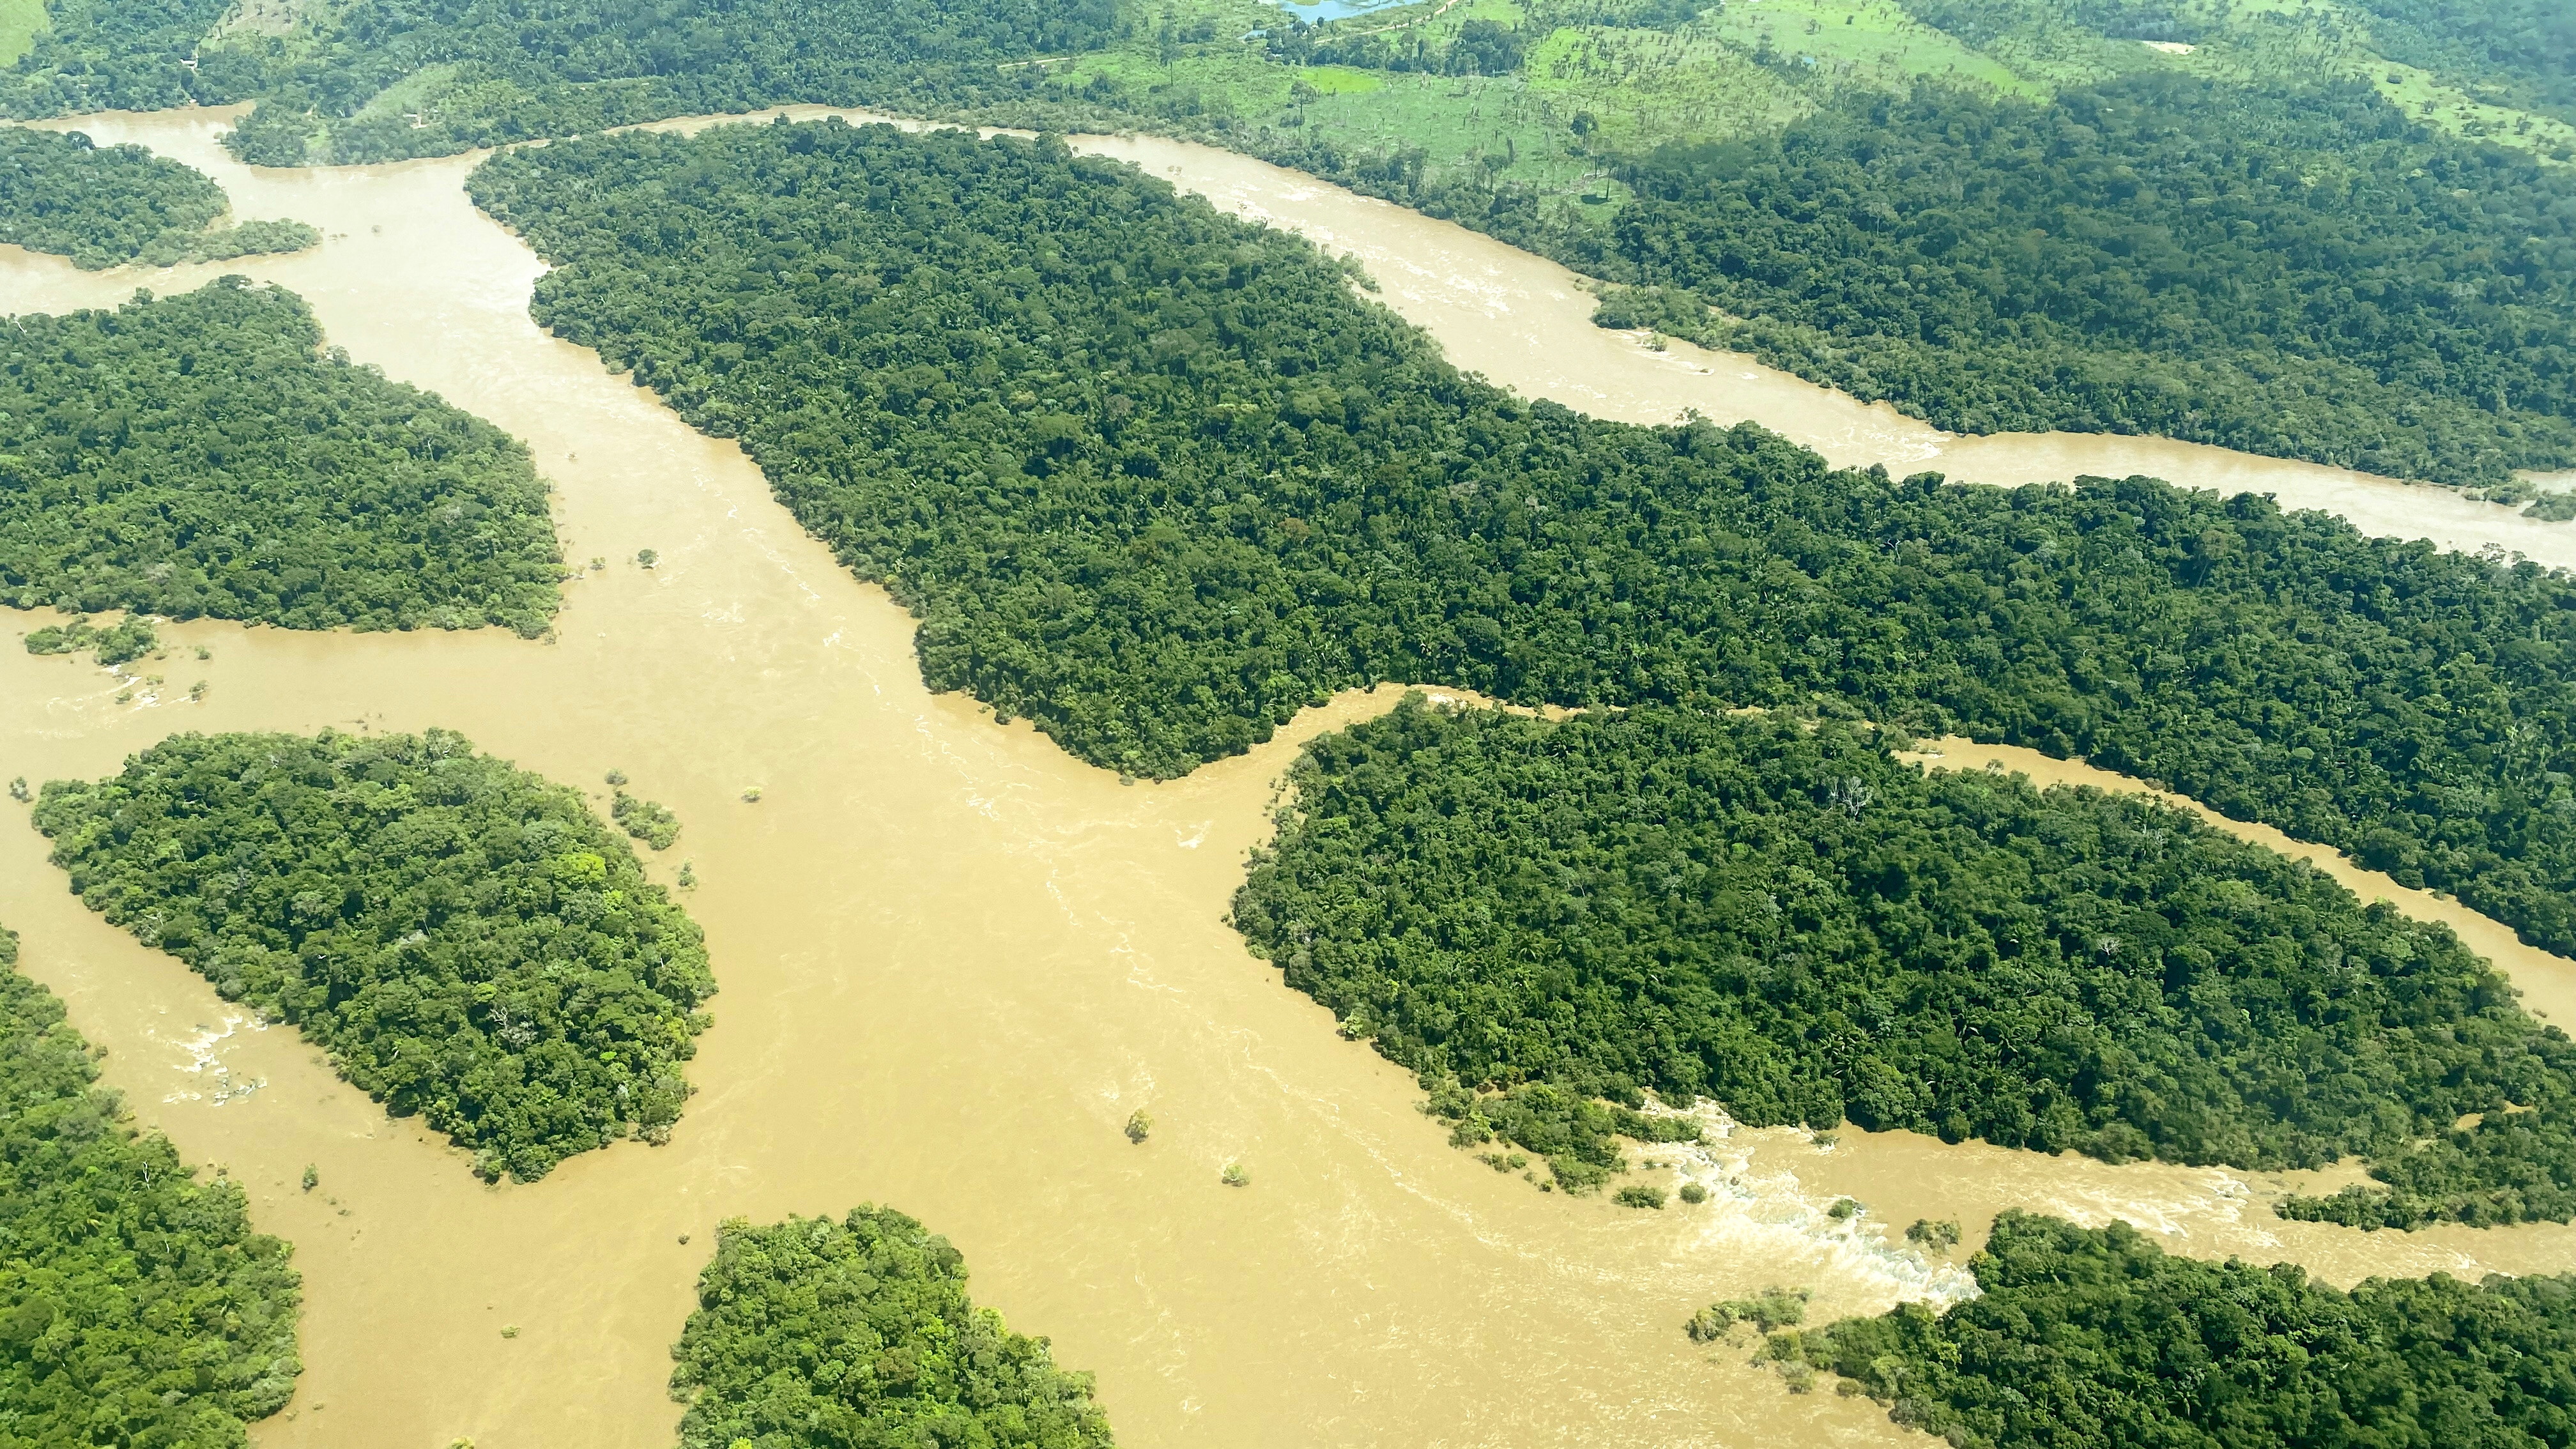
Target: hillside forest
x,y
468,942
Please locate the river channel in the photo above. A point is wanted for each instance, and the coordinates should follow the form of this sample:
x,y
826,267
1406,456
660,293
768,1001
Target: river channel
x,y
952,960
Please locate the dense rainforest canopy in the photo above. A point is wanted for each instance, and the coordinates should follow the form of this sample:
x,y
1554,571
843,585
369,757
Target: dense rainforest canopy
x,y
2290,273
137,1307
810,1332
101,205
2100,1340
1156,479
466,940
201,455
109,55
1786,918
2507,1168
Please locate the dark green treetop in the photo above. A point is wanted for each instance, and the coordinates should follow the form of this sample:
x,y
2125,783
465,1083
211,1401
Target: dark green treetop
x,y
201,455
813,1333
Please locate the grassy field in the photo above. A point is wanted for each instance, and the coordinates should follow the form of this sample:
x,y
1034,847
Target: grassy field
x,y
1502,125
1235,81
1645,87
404,97
19,22
1870,43
1585,91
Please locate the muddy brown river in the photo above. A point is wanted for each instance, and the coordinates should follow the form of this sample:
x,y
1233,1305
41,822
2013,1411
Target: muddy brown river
x,y
953,961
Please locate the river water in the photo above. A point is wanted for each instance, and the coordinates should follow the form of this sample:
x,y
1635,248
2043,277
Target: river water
x,y
952,962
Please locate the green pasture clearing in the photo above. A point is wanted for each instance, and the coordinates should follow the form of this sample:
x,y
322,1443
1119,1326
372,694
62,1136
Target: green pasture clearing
x,y
2040,40
1497,123
1340,80
1588,93
1218,81
19,22
2448,108
1646,87
1874,42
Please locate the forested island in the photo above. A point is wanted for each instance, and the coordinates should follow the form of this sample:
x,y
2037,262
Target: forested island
x,y
104,205
203,456
137,1307
812,1332
1782,916
468,942
2094,1339
1155,479
122,642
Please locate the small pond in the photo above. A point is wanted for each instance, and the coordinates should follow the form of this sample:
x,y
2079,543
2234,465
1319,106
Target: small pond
x,y
1323,10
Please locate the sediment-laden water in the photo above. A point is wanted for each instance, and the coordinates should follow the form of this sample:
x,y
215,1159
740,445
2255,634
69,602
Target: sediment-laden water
x,y
953,961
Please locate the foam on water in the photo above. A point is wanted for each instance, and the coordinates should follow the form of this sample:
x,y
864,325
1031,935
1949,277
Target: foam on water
x,y
204,1050
1758,1212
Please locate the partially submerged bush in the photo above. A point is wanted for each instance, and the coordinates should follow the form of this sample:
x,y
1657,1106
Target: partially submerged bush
x,y
1772,1309
652,823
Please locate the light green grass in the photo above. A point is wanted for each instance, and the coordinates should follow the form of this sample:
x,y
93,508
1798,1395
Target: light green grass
x,y
19,22
1494,124
1639,87
1236,80
2042,41
1646,87
1868,42
1340,80
1454,119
